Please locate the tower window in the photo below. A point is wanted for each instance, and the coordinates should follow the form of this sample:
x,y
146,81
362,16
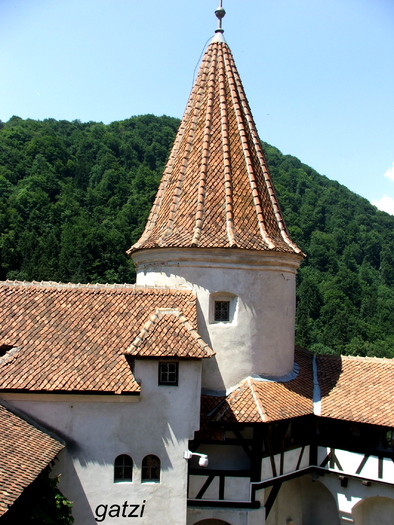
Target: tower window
x,y
168,373
150,469
222,310
123,468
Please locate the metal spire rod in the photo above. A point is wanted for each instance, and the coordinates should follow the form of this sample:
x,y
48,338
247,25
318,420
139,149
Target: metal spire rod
x,y
220,12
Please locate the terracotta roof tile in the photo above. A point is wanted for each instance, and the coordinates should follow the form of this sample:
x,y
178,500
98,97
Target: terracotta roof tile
x,y
216,190
357,389
24,452
351,388
256,401
169,334
72,338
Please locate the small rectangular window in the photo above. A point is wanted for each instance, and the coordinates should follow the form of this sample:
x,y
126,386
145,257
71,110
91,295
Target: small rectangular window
x,y
168,374
222,310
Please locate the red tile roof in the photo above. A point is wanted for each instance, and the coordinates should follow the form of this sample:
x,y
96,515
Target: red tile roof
x,y
73,337
216,190
169,334
357,389
24,452
350,388
257,401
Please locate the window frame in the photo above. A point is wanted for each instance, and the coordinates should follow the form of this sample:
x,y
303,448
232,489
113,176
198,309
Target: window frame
x,y
127,463
168,382
221,311
148,478
223,297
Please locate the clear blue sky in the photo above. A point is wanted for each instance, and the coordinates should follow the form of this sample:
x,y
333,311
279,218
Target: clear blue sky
x,y
319,74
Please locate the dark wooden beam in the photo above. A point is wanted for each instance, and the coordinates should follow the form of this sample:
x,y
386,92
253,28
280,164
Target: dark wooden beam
x,y
257,453
204,488
271,498
216,472
242,442
221,487
223,504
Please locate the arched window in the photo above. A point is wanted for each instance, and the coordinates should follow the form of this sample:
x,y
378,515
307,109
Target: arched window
x,y
123,468
150,469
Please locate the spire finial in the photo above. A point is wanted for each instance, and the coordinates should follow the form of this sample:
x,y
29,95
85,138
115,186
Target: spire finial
x,y
220,12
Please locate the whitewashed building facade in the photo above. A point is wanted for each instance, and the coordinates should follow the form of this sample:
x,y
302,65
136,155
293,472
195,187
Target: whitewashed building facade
x,y
182,399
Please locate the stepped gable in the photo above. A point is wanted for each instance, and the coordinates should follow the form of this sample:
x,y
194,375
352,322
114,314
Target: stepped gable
x,y
24,452
216,191
356,389
169,334
72,338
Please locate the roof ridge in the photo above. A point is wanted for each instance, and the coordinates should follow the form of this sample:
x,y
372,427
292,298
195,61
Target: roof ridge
x,y
204,159
356,358
245,148
93,286
228,193
257,144
182,171
260,409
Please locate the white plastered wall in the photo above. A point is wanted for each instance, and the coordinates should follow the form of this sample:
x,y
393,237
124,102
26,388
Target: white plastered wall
x,y
99,428
303,502
231,516
356,501
309,500
260,338
373,510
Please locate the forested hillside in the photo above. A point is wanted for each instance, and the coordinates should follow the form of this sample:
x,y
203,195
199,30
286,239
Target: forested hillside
x,y
74,196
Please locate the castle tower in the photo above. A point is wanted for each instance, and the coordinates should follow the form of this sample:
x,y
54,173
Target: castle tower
x,y
216,226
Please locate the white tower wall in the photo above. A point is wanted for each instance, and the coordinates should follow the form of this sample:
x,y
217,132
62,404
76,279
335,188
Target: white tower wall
x,y
259,337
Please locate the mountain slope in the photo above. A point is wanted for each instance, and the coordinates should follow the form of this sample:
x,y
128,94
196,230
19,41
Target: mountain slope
x,y
74,196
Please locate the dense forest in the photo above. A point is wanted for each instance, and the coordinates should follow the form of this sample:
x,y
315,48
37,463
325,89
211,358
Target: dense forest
x,y
74,196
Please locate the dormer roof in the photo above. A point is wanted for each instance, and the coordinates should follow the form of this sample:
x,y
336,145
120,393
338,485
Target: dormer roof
x,y
216,190
168,333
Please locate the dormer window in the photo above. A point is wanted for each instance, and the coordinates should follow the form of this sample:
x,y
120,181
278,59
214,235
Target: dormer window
x,y
222,308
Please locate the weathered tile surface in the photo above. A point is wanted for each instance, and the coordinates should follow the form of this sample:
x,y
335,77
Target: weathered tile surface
x,y
169,334
24,452
357,389
255,401
216,190
73,337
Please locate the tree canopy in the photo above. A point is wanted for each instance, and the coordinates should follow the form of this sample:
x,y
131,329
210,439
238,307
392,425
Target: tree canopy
x,y
74,196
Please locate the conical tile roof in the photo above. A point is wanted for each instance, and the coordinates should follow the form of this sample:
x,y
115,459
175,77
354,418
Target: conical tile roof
x,y
216,191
